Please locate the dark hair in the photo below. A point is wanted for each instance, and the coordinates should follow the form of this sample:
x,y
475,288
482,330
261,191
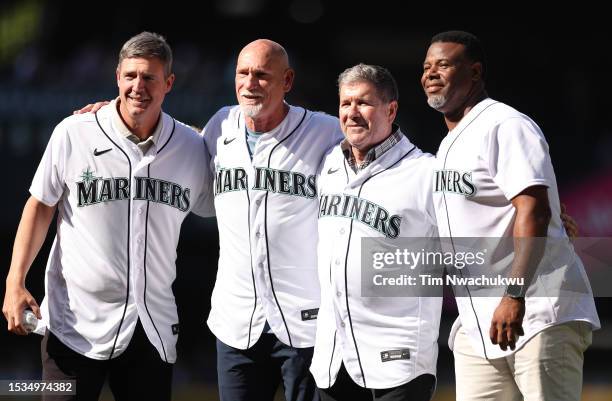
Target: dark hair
x,y
473,48
148,45
378,76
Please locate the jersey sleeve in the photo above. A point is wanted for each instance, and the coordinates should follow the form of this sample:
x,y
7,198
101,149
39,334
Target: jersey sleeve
x,y
49,180
204,204
428,179
212,130
518,156
336,136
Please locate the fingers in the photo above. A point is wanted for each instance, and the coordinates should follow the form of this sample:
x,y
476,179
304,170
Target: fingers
x,y
501,336
510,338
98,105
15,324
493,332
83,110
16,300
505,334
35,308
91,107
570,225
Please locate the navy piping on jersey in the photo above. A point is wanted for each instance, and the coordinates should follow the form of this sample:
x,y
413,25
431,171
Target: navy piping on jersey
x,y
169,138
266,229
251,258
250,251
450,231
331,359
348,246
346,170
146,250
127,291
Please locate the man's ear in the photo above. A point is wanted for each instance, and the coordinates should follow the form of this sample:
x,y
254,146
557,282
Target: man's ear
x,y
392,110
288,79
169,82
477,71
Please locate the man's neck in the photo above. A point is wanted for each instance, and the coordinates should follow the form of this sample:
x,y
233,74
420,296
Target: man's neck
x,y
142,128
360,154
267,123
453,118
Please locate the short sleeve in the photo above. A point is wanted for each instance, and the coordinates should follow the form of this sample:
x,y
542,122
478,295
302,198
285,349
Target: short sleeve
x,y
518,156
49,181
204,205
427,185
212,131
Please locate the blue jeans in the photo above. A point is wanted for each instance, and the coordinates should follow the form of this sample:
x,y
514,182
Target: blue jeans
x,y
255,373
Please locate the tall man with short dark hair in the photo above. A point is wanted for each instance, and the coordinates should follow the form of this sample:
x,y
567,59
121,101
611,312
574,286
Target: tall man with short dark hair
x,y
122,181
519,345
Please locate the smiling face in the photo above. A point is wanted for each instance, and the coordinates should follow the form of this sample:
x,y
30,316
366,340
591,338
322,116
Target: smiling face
x,y
142,87
449,78
262,78
365,118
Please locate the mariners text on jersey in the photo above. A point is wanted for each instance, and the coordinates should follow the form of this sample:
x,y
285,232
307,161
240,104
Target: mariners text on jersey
x,y
267,179
94,190
361,210
453,181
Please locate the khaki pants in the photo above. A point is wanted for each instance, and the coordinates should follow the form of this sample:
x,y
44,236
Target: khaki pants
x,y
547,368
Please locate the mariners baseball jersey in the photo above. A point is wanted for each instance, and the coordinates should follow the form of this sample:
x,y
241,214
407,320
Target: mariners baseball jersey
x,y
491,156
119,219
266,213
383,341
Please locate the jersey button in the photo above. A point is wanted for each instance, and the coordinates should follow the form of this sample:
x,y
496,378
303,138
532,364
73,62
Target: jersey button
x,y
339,294
337,262
261,265
258,234
342,231
342,324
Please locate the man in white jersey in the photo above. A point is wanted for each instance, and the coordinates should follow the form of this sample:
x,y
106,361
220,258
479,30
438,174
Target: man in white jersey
x,y
265,154
374,184
494,178
122,180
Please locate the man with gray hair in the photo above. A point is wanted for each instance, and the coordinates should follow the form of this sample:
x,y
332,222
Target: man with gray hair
x,y
381,347
265,154
122,179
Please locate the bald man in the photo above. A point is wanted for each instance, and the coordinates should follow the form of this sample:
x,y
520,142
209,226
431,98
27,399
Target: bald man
x,y
265,154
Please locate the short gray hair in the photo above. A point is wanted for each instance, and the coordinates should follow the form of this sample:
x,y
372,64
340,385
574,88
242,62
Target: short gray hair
x,y
378,76
148,45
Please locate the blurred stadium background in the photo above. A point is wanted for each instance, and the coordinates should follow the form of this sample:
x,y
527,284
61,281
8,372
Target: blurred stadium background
x,y
58,56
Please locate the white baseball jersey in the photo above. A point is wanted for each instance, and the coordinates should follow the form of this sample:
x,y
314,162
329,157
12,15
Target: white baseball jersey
x,y
267,218
119,219
383,341
491,156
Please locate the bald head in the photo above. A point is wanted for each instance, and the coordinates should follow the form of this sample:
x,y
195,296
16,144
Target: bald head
x,y
263,76
266,49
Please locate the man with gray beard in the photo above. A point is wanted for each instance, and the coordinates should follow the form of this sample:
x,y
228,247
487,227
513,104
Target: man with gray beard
x,y
265,154
520,345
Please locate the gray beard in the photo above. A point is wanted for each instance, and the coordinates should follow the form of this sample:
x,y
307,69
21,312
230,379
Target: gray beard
x,y
251,111
436,101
